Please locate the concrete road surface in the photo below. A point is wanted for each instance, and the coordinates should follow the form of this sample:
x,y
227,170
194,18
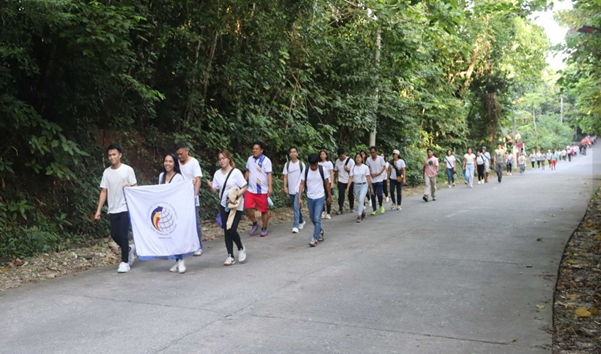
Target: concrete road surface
x,y
460,275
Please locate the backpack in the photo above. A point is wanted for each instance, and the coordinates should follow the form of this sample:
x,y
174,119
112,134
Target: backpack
x,y
323,178
301,166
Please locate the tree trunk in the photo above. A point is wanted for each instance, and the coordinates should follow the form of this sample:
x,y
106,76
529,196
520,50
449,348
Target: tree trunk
x,y
374,126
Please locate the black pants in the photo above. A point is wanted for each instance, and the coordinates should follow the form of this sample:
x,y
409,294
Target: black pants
x,y
231,235
537,163
385,188
570,157
509,167
120,233
480,172
394,184
342,192
328,207
532,164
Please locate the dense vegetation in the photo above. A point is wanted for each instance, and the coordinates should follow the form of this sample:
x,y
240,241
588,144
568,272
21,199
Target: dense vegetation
x,y
78,75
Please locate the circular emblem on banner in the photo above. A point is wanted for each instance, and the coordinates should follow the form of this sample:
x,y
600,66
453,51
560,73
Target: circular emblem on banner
x,y
163,218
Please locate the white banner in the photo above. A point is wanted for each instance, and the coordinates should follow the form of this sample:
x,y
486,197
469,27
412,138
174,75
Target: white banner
x,y
163,220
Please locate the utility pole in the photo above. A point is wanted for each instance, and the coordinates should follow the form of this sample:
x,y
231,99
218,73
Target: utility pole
x,y
374,126
535,129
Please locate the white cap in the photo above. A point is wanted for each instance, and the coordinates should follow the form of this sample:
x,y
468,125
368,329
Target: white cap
x,y
396,152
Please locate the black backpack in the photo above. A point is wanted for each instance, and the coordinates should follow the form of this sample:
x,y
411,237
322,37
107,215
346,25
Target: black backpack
x,y
323,178
301,166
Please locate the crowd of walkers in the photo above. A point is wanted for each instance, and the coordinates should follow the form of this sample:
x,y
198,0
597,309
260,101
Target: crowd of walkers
x,y
363,179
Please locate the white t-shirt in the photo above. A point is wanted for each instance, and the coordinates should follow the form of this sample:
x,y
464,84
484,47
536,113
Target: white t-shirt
x,y
258,169
190,171
486,156
174,179
114,181
480,160
450,161
469,159
375,167
360,174
522,159
532,157
327,166
236,180
294,171
539,156
400,164
343,175
314,183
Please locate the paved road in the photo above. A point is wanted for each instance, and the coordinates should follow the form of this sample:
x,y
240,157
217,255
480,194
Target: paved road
x,y
460,275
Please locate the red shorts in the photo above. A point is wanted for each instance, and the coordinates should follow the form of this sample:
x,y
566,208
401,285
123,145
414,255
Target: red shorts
x,y
553,162
259,200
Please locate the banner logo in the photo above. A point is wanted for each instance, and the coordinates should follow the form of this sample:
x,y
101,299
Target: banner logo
x,y
163,218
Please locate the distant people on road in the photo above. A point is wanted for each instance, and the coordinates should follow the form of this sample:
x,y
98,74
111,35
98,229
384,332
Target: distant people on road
x,y
522,161
259,177
543,158
554,159
480,167
499,161
344,164
365,156
377,167
397,179
190,168
292,179
231,185
430,171
450,168
114,179
487,161
386,177
360,178
533,158
509,163
539,158
316,182
469,161
328,168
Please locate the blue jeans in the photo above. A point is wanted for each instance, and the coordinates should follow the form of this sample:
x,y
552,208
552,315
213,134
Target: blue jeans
x,y
378,186
450,175
399,188
298,215
361,191
315,208
469,172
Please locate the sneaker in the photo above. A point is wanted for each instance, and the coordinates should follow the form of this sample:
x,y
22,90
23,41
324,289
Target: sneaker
x,y
301,225
328,217
264,232
254,229
313,242
425,197
382,210
393,206
323,214
450,186
433,199
353,211
174,268
320,238
370,202
453,184
387,199
374,213
399,208
339,212
358,219
198,252
130,256
471,186
295,230
123,268
242,254
181,266
229,261
362,215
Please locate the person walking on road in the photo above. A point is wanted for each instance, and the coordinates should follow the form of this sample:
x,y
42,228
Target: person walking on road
x,y
522,161
190,168
539,157
316,182
554,159
360,177
430,171
292,179
480,167
509,163
344,164
450,167
114,179
543,159
499,161
533,158
487,160
364,156
259,177
386,177
377,167
469,160
231,185
328,168
397,179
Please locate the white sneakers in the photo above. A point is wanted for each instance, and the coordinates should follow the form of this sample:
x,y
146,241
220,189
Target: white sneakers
x,y
399,208
301,225
323,214
295,230
327,217
123,267
387,199
130,256
393,206
198,252
229,261
242,255
179,267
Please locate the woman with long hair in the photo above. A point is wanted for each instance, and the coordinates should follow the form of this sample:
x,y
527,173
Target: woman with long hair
x,y
172,174
480,166
450,167
364,158
231,185
468,166
328,169
360,176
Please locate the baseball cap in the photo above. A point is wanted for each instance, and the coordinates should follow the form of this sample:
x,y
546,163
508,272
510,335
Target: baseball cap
x,y
396,152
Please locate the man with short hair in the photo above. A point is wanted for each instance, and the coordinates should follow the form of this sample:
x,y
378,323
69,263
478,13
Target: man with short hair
x,y
292,179
386,177
377,168
344,164
430,171
486,157
114,179
191,171
258,175
499,159
313,180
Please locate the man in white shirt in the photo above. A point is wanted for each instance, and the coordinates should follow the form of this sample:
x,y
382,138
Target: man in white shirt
x,y
343,166
292,179
486,157
114,179
314,181
258,175
191,171
377,168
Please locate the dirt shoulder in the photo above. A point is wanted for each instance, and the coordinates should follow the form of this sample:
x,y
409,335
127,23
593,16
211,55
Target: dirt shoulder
x,y
577,322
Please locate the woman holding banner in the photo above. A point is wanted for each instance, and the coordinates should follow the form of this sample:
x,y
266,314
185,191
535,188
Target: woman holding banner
x,y
231,185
